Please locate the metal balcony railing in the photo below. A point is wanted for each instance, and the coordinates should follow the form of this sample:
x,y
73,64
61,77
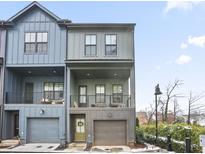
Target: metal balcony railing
x,y
46,97
116,100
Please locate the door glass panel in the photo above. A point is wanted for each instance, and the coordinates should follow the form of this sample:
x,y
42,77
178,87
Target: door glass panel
x,y
29,93
80,125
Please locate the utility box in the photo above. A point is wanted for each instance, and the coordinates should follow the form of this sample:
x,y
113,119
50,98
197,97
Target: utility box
x,y
202,140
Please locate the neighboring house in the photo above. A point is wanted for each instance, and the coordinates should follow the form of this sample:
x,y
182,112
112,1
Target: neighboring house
x,y
2,65
142,117
67,82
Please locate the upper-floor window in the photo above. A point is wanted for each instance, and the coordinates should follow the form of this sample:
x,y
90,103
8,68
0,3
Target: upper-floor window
x,y
117,93
53,90
110,44
90,45
100,94
36,42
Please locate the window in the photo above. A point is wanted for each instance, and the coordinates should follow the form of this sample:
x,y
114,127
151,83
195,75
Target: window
x,y
53,91
30,42
117,93
42,40
111,44
82,94
36,42
100,93
90,45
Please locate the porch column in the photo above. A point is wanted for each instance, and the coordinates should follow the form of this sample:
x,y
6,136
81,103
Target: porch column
x,y
67,104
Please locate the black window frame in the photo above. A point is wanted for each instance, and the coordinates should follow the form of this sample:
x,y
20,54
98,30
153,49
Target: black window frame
x,y
99,94
53,92
110,45
90,45
116,96
36,43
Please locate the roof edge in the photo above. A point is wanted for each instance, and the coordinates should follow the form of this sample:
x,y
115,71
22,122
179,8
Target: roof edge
x,y
34,3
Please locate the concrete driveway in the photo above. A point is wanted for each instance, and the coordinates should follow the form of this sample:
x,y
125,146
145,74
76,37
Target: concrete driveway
x,y
33,147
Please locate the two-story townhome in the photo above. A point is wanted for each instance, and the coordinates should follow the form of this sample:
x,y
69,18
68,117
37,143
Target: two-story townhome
x,y
34,107
66,82
101,83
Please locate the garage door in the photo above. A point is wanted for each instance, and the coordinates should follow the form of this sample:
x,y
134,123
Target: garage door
x,y
43,130
110,132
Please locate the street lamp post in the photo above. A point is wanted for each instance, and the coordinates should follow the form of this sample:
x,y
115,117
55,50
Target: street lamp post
x,y
157,92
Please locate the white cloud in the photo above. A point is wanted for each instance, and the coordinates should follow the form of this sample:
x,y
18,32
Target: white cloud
x,y
180,5
183,59
183,45
197,40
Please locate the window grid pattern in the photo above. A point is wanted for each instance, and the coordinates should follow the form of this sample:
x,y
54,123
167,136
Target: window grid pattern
x,y
90,45
36,42
110,44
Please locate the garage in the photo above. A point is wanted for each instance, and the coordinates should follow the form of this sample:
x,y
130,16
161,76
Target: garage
x,y
43,130
110,132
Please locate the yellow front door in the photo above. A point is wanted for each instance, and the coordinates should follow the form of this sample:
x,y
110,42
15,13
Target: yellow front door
x,y
80,129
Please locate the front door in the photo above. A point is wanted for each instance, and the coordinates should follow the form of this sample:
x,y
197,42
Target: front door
x,y
29,93
79,128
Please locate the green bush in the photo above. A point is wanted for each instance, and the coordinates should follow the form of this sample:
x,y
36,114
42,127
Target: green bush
x,y
139,135
178,132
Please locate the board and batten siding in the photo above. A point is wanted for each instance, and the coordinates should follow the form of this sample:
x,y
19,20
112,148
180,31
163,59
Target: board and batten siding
x,y
2,54
36,21
76,44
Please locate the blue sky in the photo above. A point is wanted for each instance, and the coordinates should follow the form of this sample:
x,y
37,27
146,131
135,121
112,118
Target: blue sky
x,y
169,39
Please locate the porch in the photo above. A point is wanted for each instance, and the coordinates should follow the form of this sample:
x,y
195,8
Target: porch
x,y
101,87
36,85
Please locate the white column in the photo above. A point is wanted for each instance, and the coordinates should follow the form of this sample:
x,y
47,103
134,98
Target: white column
x,y
67,103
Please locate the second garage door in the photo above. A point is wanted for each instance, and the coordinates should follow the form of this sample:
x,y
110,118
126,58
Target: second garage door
x,y
112,132
44,130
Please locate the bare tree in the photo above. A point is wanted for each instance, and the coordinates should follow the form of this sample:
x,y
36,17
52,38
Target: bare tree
x,y
192,104
177,109
169,95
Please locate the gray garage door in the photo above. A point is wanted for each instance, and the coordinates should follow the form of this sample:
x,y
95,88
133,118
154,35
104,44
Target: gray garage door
x,y
110,132
44,130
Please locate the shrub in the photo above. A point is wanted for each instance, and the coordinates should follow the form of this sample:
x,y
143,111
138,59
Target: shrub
x,y
139,136
178,132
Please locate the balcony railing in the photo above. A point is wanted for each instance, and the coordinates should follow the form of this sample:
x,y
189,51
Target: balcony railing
x,y
100,101
47,97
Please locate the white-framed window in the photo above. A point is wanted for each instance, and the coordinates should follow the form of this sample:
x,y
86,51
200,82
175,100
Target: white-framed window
x,y
36,42
110,44
90,44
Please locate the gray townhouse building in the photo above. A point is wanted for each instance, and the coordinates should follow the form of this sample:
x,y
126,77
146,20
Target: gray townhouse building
x,y
64,82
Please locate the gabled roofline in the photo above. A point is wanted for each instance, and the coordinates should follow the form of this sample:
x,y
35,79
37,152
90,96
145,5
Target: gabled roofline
x,y
30,6
76,25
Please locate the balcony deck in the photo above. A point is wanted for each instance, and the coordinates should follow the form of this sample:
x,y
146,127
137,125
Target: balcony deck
x,y
100,101
45,98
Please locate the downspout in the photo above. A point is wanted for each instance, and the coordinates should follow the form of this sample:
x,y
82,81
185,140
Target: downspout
x,y
3,81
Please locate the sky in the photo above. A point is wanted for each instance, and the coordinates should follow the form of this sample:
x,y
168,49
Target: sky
x,y
169,40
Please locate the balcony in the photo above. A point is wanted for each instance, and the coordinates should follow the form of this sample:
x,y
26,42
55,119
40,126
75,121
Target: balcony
x,y
122,101
48,97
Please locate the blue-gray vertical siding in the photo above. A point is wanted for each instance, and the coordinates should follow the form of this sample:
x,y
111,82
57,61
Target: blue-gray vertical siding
x,y
36,21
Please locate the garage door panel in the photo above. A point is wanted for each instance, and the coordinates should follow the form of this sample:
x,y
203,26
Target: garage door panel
x,y
110,132
43,130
